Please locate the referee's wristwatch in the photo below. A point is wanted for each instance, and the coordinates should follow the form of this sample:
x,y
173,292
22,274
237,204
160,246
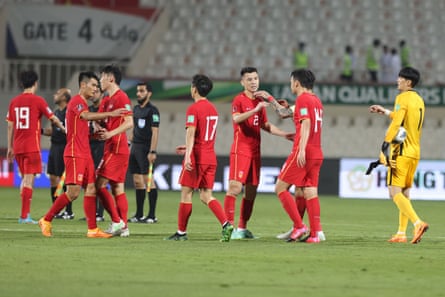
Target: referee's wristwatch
x,y
153,152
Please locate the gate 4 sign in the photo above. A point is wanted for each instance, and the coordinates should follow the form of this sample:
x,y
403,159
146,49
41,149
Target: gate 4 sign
x,y
72,31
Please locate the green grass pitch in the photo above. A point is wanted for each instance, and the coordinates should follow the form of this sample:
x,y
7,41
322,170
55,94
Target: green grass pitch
x,y
355,260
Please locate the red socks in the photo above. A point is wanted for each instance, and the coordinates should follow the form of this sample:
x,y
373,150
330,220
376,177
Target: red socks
x,y
89,207
217,210
184,212
301,205
290,207
26,202
108,203
313,211
245,212
57,206
229,208
122,206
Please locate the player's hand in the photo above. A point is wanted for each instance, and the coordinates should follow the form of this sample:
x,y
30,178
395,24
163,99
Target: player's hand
x,y
151,158
260,106
262,95
104,135
377,109
283,102
301,158
10,155
188,163
290,136
180,149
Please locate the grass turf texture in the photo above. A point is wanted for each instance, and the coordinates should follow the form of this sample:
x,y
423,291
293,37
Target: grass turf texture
x,y
355,260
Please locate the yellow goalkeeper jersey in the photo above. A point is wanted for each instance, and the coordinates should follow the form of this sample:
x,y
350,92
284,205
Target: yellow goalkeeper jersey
x,y
409,112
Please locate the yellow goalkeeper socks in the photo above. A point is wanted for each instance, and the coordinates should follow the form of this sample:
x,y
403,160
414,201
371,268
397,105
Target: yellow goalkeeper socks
x,y
403,223
405,206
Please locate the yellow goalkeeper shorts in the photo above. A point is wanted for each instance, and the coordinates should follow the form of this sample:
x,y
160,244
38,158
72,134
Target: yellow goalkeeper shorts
x,y
403,175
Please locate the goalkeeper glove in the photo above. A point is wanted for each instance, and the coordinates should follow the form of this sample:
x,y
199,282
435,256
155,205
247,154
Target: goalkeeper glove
x,y
371,166
385,155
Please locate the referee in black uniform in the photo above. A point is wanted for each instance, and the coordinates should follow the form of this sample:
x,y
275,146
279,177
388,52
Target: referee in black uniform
x,y
144,141
56,166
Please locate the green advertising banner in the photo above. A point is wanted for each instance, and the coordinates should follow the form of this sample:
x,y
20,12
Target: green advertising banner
x,y
329,94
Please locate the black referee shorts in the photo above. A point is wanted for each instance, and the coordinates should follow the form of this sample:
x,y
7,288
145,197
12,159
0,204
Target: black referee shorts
x,y
138,163
56,166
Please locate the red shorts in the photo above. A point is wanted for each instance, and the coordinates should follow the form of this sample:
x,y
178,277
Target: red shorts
x,y
113,167
201,177
245,170
301,177
79,171
29,163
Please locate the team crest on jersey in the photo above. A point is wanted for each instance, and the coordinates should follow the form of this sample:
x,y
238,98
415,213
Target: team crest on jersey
x,y
190,119
141,123
303,111
240,174
79,107
155,118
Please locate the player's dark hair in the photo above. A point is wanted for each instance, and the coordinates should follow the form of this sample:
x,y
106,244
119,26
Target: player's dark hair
x,y
305,77
85,76
411,74
28,78
114,70
147,86
203,84
245,70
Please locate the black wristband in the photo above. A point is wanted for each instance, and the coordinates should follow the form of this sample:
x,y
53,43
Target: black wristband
x,y
153,152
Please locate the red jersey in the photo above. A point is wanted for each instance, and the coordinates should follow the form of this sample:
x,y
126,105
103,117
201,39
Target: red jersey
x,y
204,117
309,106
77,130
247,135
25,111
117,144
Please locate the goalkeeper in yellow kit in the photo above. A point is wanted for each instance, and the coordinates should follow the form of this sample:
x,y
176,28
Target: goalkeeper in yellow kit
x,y
402,158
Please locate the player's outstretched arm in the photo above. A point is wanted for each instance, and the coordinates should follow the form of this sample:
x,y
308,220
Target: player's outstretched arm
x,y
281,109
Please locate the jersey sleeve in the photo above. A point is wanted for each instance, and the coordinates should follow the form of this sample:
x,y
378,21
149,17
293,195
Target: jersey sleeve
x,y
302,109
155,117
398,115
191,117
44,108
236,106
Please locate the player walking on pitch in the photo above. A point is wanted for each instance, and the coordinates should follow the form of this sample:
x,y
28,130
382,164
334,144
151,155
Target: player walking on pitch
x,y
24,114
302,167
402,158
199,165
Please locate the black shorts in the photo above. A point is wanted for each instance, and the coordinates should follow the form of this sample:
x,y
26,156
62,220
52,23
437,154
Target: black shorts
x,y
55,159
138,163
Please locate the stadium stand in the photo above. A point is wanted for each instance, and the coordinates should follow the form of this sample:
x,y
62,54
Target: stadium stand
x,y
218,37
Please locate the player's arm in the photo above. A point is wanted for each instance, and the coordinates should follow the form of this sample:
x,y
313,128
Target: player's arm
x,y
124,126
97,116
154,144
381,110
10,152
241,117
274,130
282,110
304,136
55,120
396,122
189,142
